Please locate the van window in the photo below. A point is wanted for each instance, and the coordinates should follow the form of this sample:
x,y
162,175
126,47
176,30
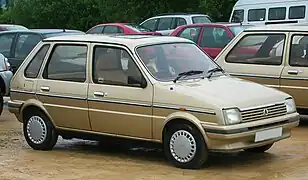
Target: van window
x,y
256,14
297,12
238,16
277,13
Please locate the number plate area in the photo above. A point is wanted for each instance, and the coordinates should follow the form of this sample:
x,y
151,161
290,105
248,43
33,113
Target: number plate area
x,y
268,134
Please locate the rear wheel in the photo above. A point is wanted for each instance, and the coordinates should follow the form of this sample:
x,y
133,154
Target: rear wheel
x,y
38,130
184,146
260,149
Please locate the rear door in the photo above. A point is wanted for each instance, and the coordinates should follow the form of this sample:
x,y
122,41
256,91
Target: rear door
x,y
213,39
294,79
165,25
63,85
25,42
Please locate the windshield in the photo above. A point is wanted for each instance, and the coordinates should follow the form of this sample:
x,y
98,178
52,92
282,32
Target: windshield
x,y
200,19
237,29
137,28
167,61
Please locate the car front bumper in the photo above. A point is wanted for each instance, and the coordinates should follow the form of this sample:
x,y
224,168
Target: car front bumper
x,y
242,136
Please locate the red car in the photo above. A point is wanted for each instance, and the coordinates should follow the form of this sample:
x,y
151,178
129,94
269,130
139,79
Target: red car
x,y
211,37
121,28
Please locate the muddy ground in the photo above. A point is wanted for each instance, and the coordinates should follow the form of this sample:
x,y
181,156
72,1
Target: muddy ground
x,y
87,160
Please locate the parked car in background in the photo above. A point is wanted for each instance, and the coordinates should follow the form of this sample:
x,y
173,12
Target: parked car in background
x,y
121,28
170,93
263,12
211,37
10,27
167,22
17,44
5,79
276,56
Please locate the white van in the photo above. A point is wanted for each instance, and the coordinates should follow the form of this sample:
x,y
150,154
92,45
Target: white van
x,y
263,12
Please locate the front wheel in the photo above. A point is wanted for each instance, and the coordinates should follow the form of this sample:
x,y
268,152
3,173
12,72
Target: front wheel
x,y
184,146
39,132
260,149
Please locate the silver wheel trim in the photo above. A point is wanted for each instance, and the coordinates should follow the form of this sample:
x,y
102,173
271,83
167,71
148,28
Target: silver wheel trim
x,y
36,130
182,146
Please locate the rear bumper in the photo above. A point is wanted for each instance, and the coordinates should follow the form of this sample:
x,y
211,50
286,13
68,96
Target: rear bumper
x,y
14,107
233,139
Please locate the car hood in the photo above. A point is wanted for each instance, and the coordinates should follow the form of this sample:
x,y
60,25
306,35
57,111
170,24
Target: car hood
x,y
218,92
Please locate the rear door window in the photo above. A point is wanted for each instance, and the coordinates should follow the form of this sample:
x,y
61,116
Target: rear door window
x,y
96,30
164,23
111,30
214,37
200,19
150,24
191,33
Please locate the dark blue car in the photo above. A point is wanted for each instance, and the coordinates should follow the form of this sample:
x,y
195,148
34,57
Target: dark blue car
x,y
17,44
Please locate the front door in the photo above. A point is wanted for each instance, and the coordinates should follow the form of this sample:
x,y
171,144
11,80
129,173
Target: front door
x,y
256,57
118,103
294,79
213,39
63,86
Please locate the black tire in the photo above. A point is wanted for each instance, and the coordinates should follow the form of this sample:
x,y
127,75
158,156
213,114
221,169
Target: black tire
x,y
51,136
201,152
1,105
260,149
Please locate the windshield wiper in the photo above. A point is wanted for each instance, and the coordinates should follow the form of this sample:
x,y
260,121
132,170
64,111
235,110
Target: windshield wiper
x,y
211,71
187,73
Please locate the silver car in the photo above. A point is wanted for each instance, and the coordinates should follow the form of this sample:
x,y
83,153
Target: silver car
x,y
167,22
5,79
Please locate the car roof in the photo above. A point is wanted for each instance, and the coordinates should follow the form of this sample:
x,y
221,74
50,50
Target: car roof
x,y
41,31
127,40
45,31
280,27
216,24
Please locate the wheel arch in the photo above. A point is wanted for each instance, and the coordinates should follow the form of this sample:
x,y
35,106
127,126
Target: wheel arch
x,y
183,117
33,104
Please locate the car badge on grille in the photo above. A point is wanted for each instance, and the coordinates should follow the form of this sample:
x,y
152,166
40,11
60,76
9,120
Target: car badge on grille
x,y
265,112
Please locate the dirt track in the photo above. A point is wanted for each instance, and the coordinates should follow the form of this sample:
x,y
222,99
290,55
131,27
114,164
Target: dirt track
x,y
78,159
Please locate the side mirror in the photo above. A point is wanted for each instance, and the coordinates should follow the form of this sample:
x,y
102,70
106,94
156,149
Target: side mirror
x,y
4,64
138,82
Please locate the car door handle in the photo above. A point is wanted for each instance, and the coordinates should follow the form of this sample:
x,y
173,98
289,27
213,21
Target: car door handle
x,y
100,94
293,72
45,88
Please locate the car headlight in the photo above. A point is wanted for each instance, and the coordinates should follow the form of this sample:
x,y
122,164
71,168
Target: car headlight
x,y
291,107
232,116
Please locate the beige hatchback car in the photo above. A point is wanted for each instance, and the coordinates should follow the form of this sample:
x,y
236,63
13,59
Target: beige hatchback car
x,y
157,89
272,55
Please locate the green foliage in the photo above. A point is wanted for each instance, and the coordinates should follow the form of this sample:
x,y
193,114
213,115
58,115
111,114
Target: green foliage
x,y
83,14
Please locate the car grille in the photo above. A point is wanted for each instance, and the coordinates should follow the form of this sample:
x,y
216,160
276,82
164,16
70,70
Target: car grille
x,y
264,112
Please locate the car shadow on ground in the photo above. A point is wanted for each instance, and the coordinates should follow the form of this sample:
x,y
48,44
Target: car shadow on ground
x,y
154,154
